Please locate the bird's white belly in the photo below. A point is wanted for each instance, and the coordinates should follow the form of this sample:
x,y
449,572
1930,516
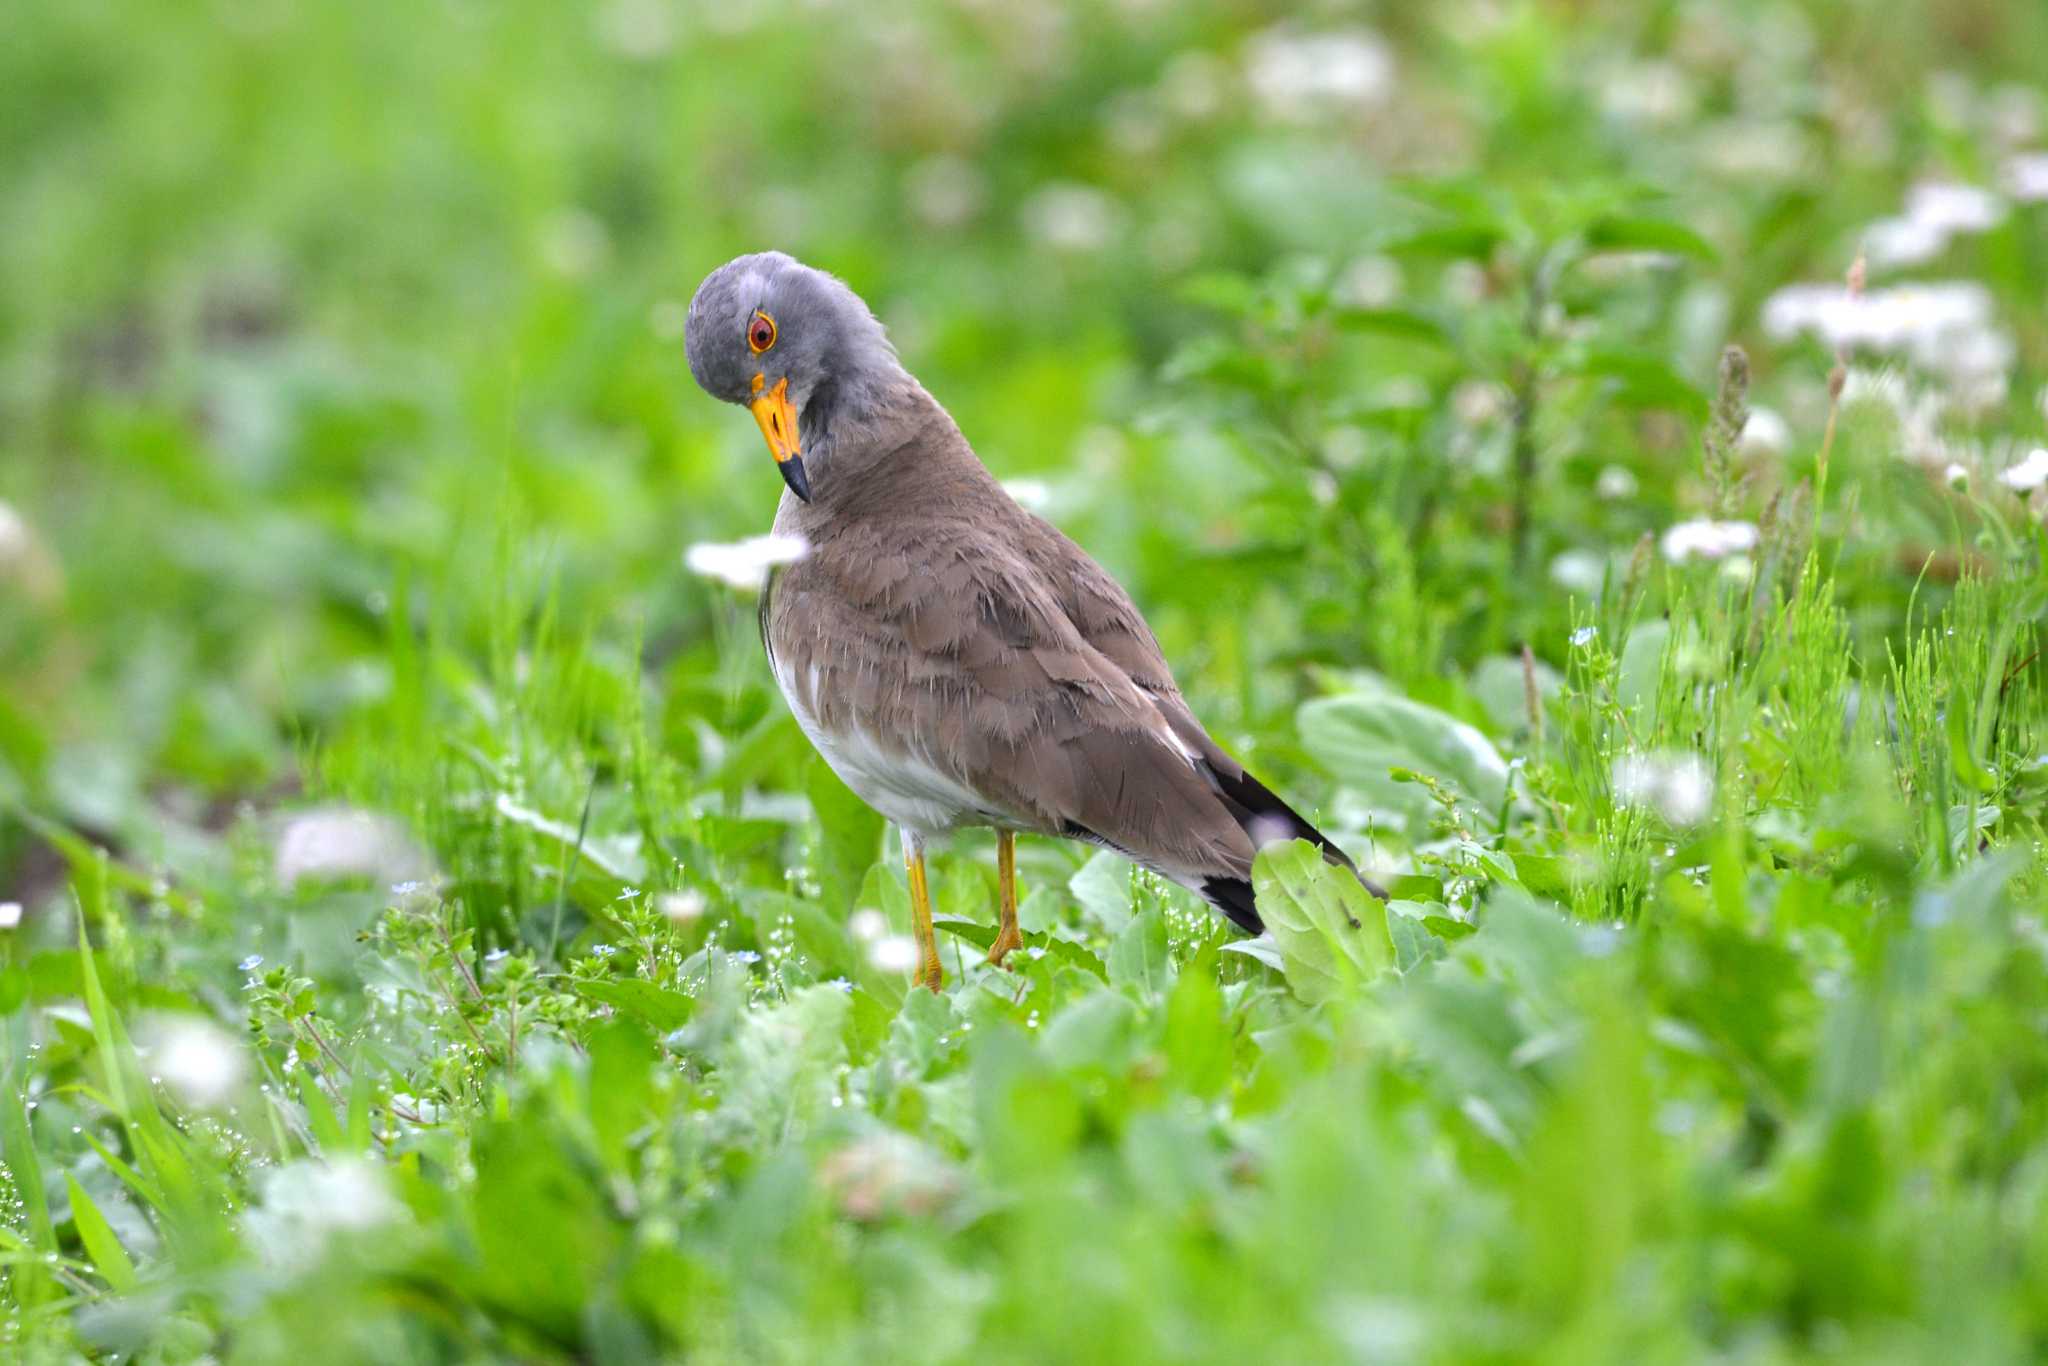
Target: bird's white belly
x,y
891,778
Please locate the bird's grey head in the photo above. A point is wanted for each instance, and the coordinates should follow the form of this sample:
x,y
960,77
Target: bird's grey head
x,y
793,344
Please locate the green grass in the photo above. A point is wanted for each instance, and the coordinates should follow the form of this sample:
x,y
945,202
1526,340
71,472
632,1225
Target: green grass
x,y
347,462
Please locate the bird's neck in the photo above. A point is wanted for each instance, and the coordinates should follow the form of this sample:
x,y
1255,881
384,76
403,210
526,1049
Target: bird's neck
x,y
856,430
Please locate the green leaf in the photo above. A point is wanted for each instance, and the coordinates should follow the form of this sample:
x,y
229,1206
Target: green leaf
x,y
1362,737
1197,1032
98,1236
1139,956
1401,323
1332,935
849,837
1643,381
1620,233
661,1009
1103,887
1968,771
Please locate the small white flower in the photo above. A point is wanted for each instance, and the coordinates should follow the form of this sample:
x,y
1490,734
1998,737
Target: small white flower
x,y
945,191
2026,177
745,565
200,1063
341,841
1678,786
1946,328
641,30
1766,433
10,914
1951,208
893,953
1071,218
1585,636
1033,494
1899,242
868,925
682,908
1615,483
1957,477
2030,473
1579,570
1706,539
1647,92
1369,282
1299,77
321,1197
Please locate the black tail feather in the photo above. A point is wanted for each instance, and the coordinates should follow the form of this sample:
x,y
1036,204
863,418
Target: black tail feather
x,y
1261,814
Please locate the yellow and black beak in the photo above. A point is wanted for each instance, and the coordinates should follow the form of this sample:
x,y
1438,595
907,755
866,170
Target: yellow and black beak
x,y
777,416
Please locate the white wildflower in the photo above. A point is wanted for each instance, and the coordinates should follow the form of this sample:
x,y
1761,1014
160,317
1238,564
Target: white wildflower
x,y
1578,570
2030,473
1706,539
2026,177
1897,242
1946,328
868,925
1766,433
1956,476
1369,282
893,953
1033,494
199,1062
1678,786
1647,92
682,908
1954,209
1299,77
745,565
641,30
10,914
1615,483
310,1198
1071,218
342,841
945,191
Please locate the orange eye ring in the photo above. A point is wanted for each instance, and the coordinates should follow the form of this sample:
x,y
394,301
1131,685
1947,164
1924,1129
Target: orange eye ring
x,y
760,333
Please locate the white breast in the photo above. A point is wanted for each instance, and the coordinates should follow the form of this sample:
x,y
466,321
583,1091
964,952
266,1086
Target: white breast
x,y
888,775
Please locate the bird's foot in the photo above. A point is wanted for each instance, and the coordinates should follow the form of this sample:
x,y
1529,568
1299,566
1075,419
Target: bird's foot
x,y
1006,939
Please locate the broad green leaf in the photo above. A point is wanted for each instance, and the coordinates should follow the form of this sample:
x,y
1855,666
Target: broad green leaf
x,y
1332,934
657,1007
849,838
1139,956
1361,737
1644,381
1620,233
1402,323
1103,887
1198,1037
98,1236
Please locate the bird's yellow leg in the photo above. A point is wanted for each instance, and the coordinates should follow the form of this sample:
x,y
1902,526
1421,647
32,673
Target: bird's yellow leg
x,y
1007,937
929,973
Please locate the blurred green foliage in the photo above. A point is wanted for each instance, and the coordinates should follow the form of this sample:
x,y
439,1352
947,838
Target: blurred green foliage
x,y
435,941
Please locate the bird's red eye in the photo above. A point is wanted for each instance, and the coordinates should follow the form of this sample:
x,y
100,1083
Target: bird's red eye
x,y
761,333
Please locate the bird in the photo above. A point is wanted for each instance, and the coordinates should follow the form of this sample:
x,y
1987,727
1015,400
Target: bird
x,y
955,658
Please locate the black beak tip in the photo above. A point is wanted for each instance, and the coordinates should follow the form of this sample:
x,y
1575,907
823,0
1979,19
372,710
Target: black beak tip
x,y
794,476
